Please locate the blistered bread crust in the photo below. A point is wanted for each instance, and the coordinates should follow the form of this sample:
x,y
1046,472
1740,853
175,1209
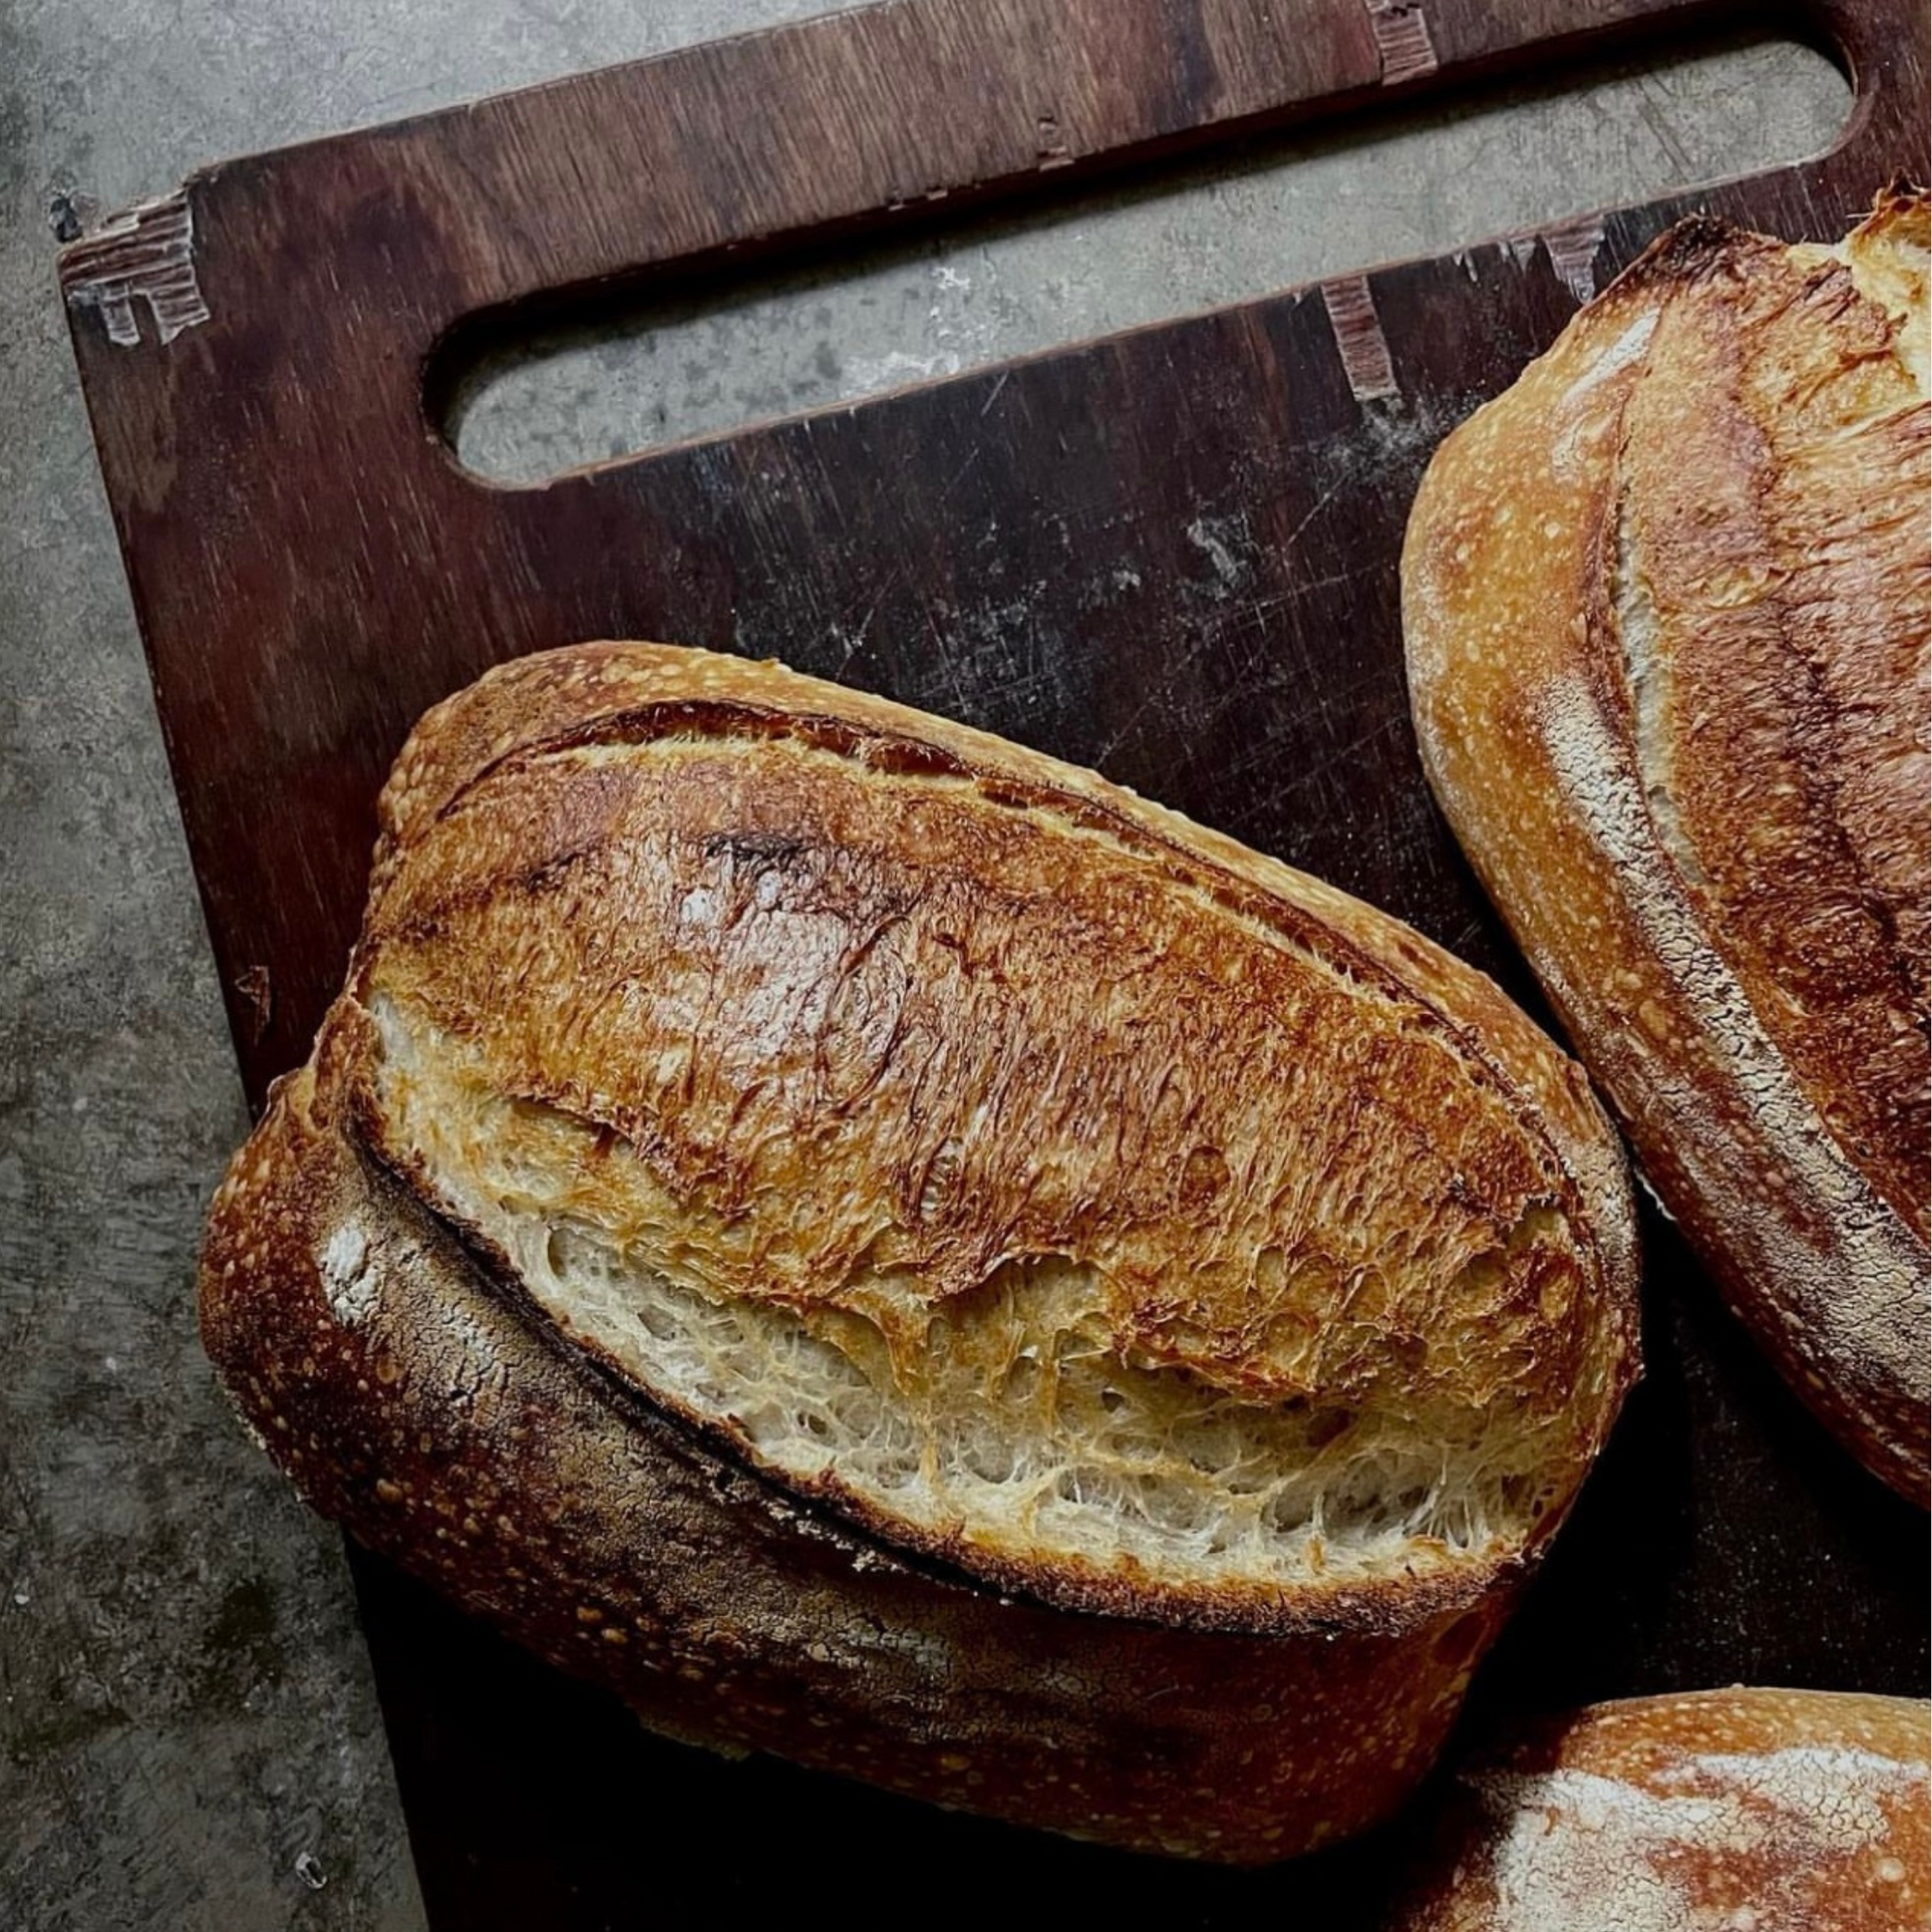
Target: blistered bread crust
x,y
1666,613
1744,1809
828,1013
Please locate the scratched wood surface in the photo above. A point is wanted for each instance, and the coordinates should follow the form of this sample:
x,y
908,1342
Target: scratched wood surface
x,y
1169,553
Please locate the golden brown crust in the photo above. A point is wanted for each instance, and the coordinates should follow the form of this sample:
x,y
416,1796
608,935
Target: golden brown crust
x,y
921,1004
1772,490
1666,613
1118,1021
558,698
1718,1808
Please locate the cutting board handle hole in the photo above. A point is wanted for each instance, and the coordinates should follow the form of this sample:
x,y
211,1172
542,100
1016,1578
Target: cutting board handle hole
x,y
702,350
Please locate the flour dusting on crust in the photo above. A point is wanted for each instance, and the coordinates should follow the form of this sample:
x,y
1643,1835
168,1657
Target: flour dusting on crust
x,y
348,1279
1821,1218
1582,1850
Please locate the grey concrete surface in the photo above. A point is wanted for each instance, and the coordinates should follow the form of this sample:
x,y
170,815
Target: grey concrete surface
x,y
1185,238
188,1736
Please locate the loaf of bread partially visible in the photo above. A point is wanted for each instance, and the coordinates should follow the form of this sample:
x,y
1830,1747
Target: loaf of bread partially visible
x,y
884,1248
1714,1811
1667,604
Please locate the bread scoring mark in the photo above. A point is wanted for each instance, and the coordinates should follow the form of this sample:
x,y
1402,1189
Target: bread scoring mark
x,y
1575,423
1358,335
1401,29
147,251
1750,1835
1300,919
1647,676
1825,1227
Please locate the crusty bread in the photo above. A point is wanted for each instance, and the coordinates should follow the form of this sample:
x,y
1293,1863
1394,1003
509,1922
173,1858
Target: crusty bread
x,y
888,1249
1716,1811
1666,609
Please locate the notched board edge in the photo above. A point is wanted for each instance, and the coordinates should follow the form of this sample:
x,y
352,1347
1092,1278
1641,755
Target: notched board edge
x,y
145,251
1573,250
1358,335
1403,41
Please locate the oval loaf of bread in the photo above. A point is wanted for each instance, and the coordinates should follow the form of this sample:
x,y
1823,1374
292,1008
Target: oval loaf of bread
x,y
1715,1812
1666,610
888,1249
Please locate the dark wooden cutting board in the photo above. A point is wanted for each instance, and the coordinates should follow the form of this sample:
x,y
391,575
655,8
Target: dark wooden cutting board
x,y
1169,553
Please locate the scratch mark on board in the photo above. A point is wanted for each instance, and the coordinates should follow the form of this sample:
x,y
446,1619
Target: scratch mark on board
x,y
1329,492
1358,335
960,474
1158,695
854,640
1307,586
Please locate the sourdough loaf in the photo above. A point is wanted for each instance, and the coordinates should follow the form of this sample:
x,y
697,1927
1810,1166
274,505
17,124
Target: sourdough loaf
x,y
1666,610
884,1248
1715,1812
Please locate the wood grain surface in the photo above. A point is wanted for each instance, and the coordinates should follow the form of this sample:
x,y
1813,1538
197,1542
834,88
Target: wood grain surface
x,y
1169,553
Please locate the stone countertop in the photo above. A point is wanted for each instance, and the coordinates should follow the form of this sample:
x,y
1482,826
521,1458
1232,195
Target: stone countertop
x,y
188,1732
